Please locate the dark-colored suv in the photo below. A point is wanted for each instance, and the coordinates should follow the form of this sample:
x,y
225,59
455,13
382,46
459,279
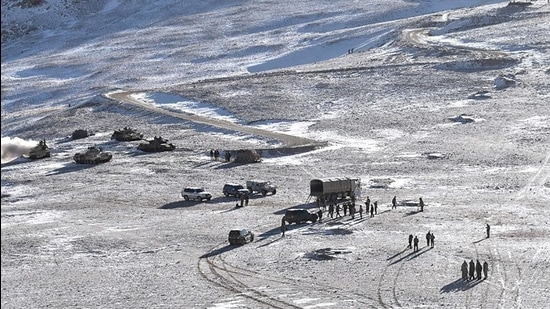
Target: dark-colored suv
x,y
299,216
235,190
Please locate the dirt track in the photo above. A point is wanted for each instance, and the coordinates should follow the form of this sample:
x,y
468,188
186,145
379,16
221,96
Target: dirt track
x,y
289,141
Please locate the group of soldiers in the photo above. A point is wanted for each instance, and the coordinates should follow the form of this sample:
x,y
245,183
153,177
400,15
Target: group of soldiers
x,y
215,155
430,241
334,209
473,271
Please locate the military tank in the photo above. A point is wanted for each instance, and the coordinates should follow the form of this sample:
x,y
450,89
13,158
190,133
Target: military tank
x,y
156,145
39,151
80,133
127,134
94,155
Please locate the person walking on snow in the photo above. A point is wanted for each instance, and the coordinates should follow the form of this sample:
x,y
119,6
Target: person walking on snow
x,y
485,269
432,239
415,243
394,202
488,228
428,238
361,211
410,241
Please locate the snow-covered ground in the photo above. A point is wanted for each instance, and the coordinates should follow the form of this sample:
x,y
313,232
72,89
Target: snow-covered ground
x,y
448,101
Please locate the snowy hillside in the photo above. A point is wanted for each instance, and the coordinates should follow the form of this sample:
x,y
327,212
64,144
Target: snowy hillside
x,y
447,101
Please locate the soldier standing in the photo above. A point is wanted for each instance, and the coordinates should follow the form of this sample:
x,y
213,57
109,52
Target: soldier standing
x,y
331,210
479,268
421,204
246,200
367,203
394,202
464,270
415,243
361,211
428,238
345,208
338,211
472,270
371,210
432,239
283,226
410,241
375,207
485,269
488,228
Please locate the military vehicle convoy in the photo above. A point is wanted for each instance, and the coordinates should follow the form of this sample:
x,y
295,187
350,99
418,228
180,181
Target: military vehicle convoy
x,y
39,151
94,155
156,145
127,134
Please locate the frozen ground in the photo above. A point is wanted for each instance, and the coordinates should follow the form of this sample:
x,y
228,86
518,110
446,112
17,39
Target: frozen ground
x,y
448,102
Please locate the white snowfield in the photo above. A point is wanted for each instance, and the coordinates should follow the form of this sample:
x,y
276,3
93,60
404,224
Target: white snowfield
x,y
447,101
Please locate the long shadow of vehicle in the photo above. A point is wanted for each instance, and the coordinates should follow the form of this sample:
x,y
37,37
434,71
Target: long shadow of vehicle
x,y
70,167
218,251
215,200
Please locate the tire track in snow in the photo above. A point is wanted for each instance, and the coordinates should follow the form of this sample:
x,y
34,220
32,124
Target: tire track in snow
x,y
248,284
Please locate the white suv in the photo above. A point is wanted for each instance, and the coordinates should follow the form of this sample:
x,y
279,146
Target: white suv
x,y
195,193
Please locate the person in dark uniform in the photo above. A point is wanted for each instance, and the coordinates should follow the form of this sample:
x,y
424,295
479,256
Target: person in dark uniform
x,y
472,270
432,239
361,211
331,210
479,268
488,228
421,204
410,241
283,226
394,202
464,270
375,207
428,238
485,269
320,214
415,243
372,210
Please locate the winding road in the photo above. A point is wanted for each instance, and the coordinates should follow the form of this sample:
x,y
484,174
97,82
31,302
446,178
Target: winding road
x,y
289,141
